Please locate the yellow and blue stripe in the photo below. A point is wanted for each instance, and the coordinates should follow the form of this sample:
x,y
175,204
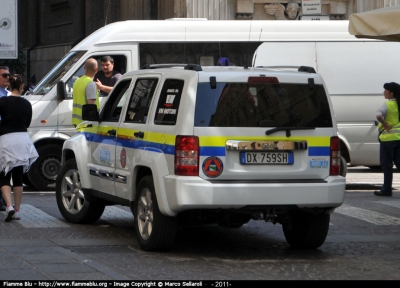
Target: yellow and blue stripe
x,y
209,145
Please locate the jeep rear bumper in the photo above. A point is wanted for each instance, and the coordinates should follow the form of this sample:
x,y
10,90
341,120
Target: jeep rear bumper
x,y
186,193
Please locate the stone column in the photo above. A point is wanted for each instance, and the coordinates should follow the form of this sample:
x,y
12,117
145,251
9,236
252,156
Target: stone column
x,y
210,9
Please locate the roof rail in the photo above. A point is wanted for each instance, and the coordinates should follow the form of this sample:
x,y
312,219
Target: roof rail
x,y
299,68
307,69
194,67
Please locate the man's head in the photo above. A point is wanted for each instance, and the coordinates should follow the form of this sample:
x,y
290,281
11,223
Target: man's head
x,y
90,67
4,77
107,65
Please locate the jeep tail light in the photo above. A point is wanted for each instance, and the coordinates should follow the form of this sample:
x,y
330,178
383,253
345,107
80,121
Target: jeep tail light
x,y
187,155
335,156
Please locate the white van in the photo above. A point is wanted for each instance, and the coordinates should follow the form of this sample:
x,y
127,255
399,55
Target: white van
x,y
354,71
134,44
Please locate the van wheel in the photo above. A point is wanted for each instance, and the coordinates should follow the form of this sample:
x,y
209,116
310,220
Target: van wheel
x,y
305,230
375,167
343,166
154,231
70,198
45,169
26,181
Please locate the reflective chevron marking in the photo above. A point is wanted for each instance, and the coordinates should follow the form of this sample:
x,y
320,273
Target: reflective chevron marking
x,y
367,215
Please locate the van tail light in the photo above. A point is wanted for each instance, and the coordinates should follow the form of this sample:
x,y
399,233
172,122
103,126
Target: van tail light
x,y
187,155
335,156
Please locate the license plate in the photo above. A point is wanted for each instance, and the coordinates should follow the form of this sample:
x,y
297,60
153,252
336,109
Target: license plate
x,y
266,158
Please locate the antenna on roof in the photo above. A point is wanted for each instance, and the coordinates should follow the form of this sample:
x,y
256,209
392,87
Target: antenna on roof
x,y
247,55
184,49
108,7
255,53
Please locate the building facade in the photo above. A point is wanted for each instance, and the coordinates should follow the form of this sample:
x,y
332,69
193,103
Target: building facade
x,y
49,28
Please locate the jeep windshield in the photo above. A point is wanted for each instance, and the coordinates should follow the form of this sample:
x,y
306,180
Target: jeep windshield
x,y
51,79
262,105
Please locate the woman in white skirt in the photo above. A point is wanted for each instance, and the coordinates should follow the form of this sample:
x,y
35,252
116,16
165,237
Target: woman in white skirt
x,y
17,152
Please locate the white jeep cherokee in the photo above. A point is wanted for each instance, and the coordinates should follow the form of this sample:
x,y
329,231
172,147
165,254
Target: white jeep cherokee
x,y
222,144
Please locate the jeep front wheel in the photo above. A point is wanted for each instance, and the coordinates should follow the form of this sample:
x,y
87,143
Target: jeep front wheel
x,y
70,198
154,231
305,230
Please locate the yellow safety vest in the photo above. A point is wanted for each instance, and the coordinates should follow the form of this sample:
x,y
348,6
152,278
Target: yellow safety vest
x,y
392,118
79,98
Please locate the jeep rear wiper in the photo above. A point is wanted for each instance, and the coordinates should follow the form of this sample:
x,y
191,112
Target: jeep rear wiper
x,y
287,129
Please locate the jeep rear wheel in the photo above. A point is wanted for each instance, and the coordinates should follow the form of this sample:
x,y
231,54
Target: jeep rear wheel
x,y
154,231
70,198
305,230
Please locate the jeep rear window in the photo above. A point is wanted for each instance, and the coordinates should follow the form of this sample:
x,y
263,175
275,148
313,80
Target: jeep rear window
x,y
262,105
168,104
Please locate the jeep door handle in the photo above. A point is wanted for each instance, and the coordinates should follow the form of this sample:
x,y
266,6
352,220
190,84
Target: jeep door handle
x,y
139,134
112,132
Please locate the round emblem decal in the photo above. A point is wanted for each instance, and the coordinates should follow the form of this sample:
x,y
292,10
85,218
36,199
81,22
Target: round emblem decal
x,y
123,158
212,167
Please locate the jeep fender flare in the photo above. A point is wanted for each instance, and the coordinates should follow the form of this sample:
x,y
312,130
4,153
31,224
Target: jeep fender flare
x,y
79,146
159,168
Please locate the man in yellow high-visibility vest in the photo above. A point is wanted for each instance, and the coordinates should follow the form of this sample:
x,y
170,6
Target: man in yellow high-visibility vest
x,y
85,91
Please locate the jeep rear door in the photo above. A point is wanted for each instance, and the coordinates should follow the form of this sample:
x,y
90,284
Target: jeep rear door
x,y
264,130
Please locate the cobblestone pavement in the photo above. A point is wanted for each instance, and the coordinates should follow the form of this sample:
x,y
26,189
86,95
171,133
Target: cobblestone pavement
x,y
363,244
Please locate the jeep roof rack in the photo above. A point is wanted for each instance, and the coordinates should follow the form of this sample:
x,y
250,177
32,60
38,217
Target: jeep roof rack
x,y
299,68
195,67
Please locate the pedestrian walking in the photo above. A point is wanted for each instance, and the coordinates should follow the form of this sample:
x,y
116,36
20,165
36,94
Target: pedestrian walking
x,y
4,83
389,136
17,152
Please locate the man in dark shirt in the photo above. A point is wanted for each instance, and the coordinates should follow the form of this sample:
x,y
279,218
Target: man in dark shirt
x,y
107,77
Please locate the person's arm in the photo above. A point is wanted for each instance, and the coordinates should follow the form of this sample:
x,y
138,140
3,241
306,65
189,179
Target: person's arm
x,y
380,116
28,115
106,89
91,91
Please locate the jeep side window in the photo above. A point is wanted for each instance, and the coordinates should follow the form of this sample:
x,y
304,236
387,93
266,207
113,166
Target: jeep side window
x,y
139,104
113,107
168,104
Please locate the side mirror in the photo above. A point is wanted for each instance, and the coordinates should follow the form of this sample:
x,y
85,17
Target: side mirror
x,y
90,113
61,91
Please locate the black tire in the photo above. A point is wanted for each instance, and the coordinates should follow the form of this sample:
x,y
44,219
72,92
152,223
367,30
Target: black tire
x,y
45,169
26,181
306,231
71,200
343,166
375,168
154,231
